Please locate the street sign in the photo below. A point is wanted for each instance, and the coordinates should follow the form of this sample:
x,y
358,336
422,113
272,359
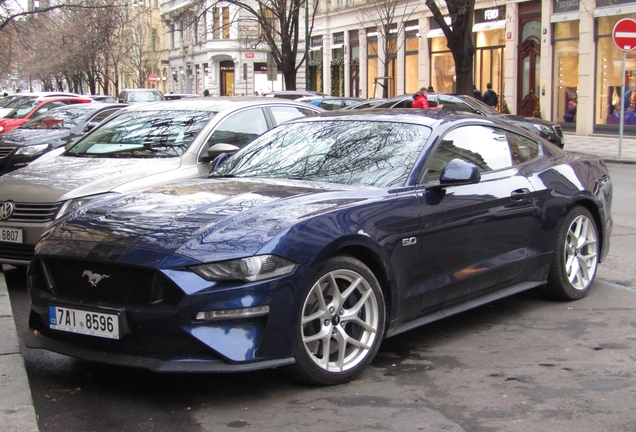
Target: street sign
x,y
153,78
272,68
624,34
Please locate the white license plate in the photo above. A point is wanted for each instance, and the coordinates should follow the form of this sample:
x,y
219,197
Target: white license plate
x,y
84,322
11,235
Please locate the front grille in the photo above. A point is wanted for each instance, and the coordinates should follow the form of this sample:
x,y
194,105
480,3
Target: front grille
x,y
18,252
558,130
114,284
34,212
5,151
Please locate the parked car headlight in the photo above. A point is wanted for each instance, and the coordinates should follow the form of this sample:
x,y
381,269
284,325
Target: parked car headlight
x,y
249,269
32,150
74,204
543,128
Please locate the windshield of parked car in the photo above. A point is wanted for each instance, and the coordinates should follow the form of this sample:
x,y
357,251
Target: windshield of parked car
x,y
482,106
143,134
144,96
339,151
64,119
23,109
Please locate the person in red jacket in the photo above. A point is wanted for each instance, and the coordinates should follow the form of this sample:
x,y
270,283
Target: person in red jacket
x,y
420,99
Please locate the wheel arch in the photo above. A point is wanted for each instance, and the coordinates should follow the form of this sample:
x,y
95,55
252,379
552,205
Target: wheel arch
x,y
595,211
377,266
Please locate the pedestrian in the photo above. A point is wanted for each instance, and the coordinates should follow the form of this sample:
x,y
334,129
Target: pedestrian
x,y
420,99
430,89
476,93
490,97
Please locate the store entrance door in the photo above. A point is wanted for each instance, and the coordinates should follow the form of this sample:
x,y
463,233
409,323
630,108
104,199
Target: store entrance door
x,y
529,55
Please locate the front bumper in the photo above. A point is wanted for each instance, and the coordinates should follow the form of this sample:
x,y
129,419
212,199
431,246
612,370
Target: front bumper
x,y
35,340
168,337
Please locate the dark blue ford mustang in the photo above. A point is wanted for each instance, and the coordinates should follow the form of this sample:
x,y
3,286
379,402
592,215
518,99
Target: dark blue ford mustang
x,y
318,239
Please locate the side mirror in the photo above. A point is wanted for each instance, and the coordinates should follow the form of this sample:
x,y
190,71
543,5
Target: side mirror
x,y
219,148
458,172
217,162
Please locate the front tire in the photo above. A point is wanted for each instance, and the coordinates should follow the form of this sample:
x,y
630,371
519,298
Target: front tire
x,y
575,257
340,323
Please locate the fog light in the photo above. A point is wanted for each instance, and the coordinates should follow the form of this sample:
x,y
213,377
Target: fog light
x,y
226,314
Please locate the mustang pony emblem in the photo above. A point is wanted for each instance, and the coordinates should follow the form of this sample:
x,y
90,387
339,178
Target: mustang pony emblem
x,y
94,278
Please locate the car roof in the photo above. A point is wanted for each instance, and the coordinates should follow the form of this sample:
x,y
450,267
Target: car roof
x,y
139,90
216,104
88,107
408,115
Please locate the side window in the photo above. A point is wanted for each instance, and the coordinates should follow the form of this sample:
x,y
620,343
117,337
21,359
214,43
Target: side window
x,y
240,128
454,104
283,113
97,119
404,104
522,148
330,105
485,147
102,115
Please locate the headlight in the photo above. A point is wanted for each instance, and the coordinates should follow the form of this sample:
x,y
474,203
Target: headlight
x,y
543,128
246,269
74,204
32,150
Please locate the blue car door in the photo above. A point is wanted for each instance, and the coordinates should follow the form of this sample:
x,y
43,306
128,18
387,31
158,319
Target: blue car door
x,y
475,236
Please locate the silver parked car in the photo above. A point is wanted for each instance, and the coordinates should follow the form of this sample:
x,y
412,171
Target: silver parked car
x,y
141,146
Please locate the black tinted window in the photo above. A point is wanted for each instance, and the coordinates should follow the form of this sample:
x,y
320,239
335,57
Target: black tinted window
x,y
485,147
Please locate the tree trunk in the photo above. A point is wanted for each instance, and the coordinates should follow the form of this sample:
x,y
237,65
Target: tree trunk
x,y
464,74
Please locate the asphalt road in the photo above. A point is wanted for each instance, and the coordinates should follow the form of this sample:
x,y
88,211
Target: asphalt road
x,y
520,364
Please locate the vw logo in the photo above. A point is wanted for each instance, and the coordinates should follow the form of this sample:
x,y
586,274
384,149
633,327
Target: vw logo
x,y
6,210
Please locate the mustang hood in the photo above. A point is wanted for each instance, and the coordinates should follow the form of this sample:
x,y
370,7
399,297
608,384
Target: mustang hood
x,y
204,220
67,177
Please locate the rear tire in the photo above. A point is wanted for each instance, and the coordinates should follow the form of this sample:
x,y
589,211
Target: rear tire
x,y
340,323
575,258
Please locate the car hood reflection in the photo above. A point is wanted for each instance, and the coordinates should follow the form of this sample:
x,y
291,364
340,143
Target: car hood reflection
x,y
206,220
66,177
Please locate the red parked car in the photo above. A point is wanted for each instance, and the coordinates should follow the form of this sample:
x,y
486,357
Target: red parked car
x,y
32,108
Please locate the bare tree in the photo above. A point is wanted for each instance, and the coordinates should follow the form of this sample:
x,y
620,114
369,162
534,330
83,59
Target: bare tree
x,y
459,38
275,24
383,13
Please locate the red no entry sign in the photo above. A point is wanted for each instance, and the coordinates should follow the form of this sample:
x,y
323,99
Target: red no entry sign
x,y
624,34
153,78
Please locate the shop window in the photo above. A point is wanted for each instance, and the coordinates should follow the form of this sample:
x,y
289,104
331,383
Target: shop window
x,y
566,71
608,78
411,56
442,66
372,62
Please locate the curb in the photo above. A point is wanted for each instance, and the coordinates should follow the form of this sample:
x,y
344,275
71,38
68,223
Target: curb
x,y
16,404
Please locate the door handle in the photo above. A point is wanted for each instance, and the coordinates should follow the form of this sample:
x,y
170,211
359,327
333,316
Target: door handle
x,y
519,194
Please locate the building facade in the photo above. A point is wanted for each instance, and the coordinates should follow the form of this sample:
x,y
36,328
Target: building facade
x,y
555,59
215,47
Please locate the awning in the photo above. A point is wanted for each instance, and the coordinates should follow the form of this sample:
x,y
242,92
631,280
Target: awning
x,y
615,10
336,46
435,33
492,25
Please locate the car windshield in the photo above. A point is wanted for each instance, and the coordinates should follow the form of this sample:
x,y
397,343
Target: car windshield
x,y
144,96
23,109
64,119
144,134
19,100
346,152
